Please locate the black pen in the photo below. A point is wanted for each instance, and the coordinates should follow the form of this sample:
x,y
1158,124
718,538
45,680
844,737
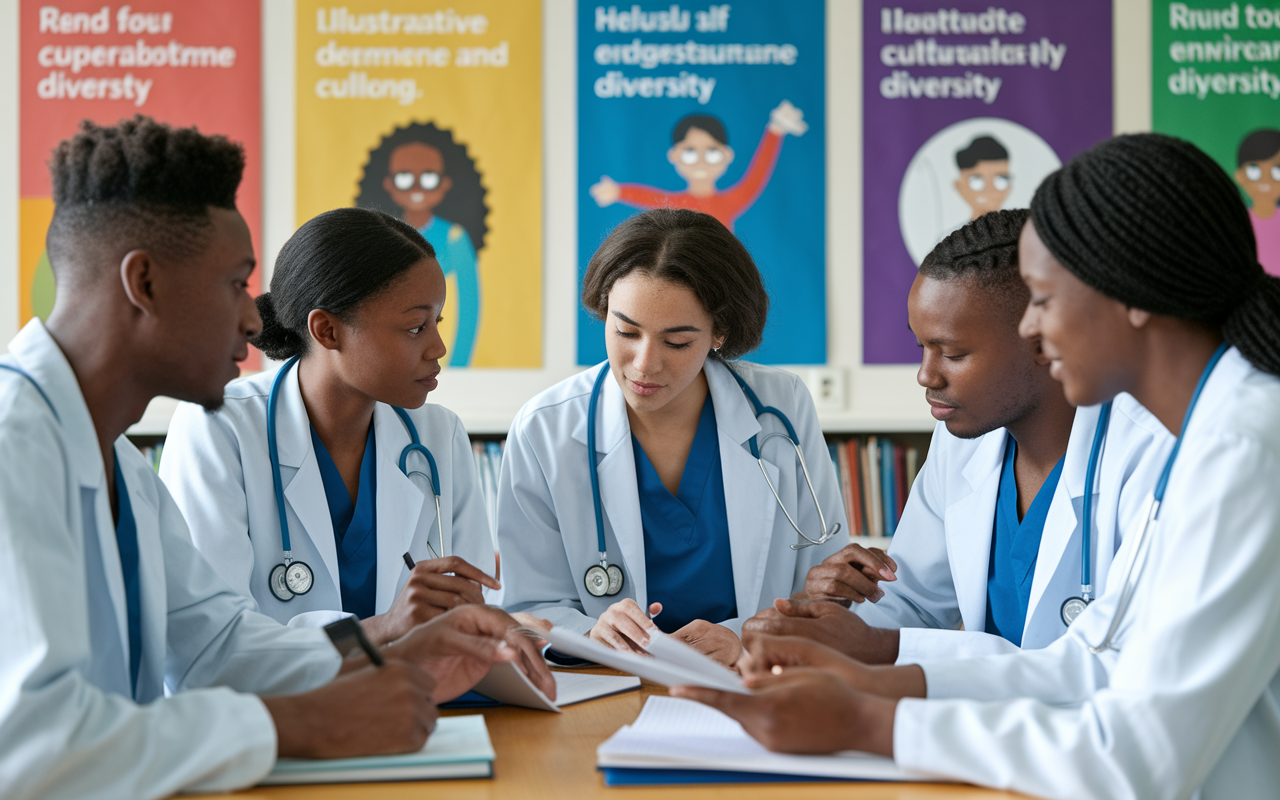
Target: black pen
x,y
409,562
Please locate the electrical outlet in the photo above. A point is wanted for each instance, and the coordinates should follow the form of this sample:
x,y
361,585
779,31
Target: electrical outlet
x,y
826,384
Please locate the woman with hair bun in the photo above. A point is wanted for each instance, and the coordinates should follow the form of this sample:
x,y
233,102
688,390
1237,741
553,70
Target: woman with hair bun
x,y
666,432
1144,278
356,296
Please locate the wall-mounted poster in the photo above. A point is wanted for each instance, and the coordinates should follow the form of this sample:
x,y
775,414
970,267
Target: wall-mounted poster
x,y
1216,82
719,108
434,114
965,110
178,61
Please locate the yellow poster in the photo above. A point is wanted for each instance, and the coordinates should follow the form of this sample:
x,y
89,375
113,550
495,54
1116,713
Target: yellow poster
x,y
434,115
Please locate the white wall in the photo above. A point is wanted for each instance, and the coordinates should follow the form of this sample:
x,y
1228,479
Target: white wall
x,y
873,398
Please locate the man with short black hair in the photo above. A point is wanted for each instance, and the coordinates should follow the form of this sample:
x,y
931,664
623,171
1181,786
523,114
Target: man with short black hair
x,y
127,667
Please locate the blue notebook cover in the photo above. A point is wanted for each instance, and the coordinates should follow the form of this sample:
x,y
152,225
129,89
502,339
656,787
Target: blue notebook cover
x,y
471,700
632,776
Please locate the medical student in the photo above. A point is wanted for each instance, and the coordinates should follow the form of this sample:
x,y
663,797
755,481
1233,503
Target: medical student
x,y
989,551
633,490
1144,278
129,669
324,445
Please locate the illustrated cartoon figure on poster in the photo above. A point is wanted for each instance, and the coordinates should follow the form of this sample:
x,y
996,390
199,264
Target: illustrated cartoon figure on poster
x,y
420,174
962,172
1258,173
984,180
701,154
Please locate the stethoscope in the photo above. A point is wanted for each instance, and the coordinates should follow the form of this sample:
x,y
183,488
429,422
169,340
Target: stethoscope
x,y
605,579
295,577
1137,556
1073,606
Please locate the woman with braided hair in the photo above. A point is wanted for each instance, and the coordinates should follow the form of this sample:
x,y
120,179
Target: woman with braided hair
x,y
1144,279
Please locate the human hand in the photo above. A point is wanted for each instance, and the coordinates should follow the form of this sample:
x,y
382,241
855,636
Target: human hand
x,y
768,656
429,592
623,626
531,625
459,646
806,711
606,192
828,623
712,640
369,711
853,574
786,118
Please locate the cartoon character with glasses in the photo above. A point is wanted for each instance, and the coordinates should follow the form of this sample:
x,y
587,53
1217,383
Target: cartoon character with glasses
x,y
984,181
420,174
1258,173
701,154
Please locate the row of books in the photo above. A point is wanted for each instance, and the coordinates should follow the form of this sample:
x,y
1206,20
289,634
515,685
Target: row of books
x,y
876,474
488,454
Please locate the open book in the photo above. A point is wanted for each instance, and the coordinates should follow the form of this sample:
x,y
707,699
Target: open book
x,y
670,662
673,736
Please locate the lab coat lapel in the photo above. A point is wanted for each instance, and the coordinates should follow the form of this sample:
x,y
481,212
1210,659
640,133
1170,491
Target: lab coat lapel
x,y
619,493
399,502
150,574
300,473
751,506
968,524
1061,526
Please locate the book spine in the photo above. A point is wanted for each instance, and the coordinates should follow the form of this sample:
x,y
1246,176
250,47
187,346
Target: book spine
x,y
876,501
900,478
886,483
841,454
857,517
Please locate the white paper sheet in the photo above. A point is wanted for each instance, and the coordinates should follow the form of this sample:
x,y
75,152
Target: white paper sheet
x,y
673,664
506,683
673,733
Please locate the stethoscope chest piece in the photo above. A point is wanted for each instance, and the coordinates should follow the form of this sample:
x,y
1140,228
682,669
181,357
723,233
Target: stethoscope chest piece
x,y
603,580
1073,607
290,579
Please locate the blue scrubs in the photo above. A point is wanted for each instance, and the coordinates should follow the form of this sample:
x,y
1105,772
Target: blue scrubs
x,y
686,536
1014,548
127,542
354,527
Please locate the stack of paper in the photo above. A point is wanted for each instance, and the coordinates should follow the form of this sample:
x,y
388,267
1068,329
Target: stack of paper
x,y
670,662
458,748
672,736
506,683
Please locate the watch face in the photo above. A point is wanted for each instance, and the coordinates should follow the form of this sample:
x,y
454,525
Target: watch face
x,y
278,585
615,580
298,578
597,581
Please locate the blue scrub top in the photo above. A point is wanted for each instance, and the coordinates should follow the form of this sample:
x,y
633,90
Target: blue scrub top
x,y
127,542
686,536
354,527
1015,546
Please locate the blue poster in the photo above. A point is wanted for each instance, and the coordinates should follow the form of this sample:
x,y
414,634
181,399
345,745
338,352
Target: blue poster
x,y
719,108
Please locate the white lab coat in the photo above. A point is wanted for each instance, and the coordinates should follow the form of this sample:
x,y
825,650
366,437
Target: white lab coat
x,y
546,519
217,467
943,545
1190,700
70,726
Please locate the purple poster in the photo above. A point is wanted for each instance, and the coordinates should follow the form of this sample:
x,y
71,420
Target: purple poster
x,y
965,110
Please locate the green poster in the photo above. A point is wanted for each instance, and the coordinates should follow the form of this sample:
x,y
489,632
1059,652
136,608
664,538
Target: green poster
x,y
1216,82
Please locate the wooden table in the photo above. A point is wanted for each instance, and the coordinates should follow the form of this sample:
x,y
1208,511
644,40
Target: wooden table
x,y
553,756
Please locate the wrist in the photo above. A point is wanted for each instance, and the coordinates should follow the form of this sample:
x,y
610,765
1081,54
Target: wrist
x,y
887,644
872,728
288,717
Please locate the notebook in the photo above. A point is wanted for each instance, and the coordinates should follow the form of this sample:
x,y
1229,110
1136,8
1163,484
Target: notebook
x,y
506,683
672,734
458,748
670,662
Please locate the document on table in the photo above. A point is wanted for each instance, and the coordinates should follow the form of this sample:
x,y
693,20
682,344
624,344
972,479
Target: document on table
x,y
506,683
458,748
670,662
676,734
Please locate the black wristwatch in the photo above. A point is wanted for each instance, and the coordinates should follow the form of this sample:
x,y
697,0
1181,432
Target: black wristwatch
x,y
348,636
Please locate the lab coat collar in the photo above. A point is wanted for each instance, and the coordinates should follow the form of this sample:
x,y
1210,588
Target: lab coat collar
x,y
970,554
399,501
40,356
735,418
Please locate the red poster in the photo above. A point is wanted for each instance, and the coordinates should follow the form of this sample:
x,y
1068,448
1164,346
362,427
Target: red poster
x,y
184,62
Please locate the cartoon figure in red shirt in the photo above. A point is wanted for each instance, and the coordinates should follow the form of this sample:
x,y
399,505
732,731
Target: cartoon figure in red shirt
x,y
701,154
